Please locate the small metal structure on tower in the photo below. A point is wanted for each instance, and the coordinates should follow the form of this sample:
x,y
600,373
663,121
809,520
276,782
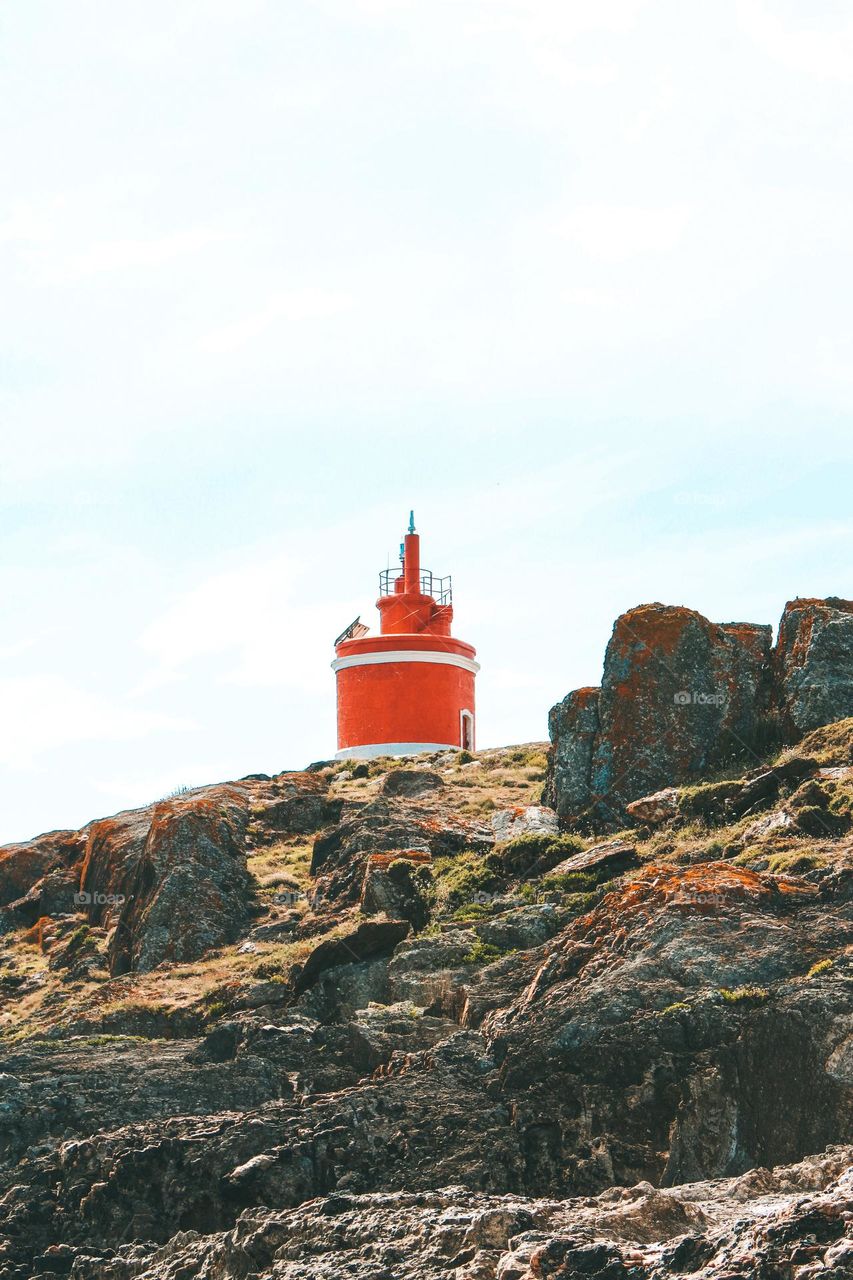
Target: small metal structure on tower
x,y
411,687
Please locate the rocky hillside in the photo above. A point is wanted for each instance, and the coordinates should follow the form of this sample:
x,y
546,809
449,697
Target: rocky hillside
x,y
388,1021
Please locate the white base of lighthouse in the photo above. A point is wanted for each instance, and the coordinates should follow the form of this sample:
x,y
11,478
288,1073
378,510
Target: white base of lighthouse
x,y
373,749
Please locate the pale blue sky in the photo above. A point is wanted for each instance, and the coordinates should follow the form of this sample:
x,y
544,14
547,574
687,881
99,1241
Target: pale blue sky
x,y
572,280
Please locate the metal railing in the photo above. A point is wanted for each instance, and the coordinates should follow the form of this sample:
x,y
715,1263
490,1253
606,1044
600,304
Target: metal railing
x,y
441,589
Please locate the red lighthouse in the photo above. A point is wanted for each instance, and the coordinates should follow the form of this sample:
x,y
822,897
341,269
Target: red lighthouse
x,y
410,688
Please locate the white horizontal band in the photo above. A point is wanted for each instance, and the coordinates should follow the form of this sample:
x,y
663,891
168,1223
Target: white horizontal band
x,y
374,749
405,655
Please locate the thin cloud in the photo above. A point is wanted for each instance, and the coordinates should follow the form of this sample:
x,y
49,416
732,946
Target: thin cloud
x,y
284,309
253,620
827,53
40,713
116,256
618,232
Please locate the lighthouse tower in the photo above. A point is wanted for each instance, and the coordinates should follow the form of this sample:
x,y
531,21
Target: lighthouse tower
x,y
411,687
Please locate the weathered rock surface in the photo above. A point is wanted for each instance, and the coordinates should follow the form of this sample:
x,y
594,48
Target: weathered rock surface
x,y
793,1220
517,1079
393,886
81,1085
681,695
573,726
654,809
22,866
189,889
610,858
534,819
371,938
813,663
423,826
628,1014
605,1052
168,881
410,782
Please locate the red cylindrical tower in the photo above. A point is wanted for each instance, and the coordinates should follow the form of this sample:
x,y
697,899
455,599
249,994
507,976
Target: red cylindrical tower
x,y
410,688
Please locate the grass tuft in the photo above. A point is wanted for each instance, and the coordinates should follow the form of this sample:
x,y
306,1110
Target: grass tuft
x,y
739,994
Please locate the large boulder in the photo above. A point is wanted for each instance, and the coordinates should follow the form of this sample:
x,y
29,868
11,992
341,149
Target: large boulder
x,y
679,694
524,820
813,663
573,726
410,782
611,858
21,865
368,939
189,889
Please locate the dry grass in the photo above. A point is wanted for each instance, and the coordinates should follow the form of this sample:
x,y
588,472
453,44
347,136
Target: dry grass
x,y
500,778
831,745
693,842
180,989
285,863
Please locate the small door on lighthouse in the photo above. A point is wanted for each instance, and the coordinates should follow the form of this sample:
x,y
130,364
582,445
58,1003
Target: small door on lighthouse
x,y
466,736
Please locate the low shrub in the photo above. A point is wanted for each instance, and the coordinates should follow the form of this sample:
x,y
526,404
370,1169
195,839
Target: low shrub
x,y
456,880
536,852
578,903
823,808
708,801
472,911
738,994
484,953
794,862
574,882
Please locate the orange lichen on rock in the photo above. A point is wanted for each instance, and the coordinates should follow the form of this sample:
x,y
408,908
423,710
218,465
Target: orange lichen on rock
x,y
21,865
813,663
41,934
704,888
382,860
672,884
657,627
679,694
